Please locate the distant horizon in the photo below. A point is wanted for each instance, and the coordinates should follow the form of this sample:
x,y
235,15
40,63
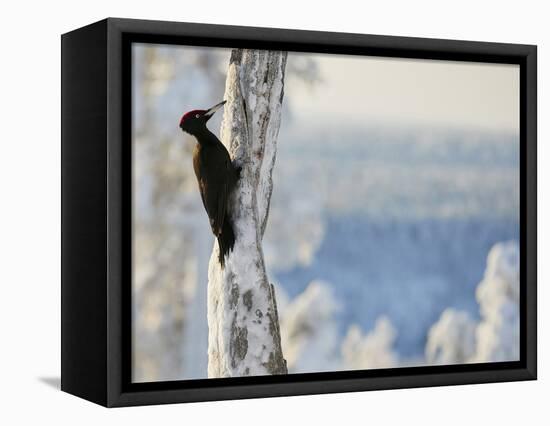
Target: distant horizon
x,y
323,122
422,92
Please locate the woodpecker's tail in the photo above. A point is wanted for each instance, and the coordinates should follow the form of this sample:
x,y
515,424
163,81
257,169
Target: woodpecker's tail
x,y
226,241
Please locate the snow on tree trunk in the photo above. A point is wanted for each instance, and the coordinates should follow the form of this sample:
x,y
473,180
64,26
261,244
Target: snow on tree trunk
x,y
244,336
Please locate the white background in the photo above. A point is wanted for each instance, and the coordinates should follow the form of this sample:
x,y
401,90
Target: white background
x,y
30,229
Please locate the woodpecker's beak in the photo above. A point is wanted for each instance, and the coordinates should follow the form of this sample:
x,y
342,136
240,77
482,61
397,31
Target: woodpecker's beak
x,y
208,114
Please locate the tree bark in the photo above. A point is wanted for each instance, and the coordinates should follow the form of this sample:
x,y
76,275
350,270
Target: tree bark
x,y
244,336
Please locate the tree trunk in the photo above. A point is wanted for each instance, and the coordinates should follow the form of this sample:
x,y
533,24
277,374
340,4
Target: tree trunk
x,y
244,337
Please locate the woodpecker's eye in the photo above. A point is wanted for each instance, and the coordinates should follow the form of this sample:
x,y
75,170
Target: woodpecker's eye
x,y
197,115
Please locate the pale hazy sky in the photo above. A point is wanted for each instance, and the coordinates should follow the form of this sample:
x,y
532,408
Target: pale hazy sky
x,y
411,91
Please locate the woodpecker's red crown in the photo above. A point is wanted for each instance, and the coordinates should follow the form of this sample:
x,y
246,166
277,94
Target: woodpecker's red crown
x,y
189,119
196,113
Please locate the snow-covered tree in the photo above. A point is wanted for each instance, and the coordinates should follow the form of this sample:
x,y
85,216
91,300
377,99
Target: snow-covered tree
x,y
497,334
373,350
456,338
451,340
309,330
244,335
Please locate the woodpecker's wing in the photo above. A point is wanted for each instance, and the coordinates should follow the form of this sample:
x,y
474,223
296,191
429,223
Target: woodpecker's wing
x,y
213,186
212,166
214,198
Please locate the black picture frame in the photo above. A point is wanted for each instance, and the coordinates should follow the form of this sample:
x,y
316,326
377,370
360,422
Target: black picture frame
x,y
96,212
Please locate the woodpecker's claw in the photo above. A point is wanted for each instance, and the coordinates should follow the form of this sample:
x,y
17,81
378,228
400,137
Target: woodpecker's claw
x,y
238,170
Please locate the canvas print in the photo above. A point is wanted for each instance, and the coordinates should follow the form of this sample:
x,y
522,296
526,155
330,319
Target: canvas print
x,y
302,212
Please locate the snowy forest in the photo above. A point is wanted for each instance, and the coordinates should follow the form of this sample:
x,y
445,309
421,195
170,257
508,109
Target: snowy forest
x,y
389,242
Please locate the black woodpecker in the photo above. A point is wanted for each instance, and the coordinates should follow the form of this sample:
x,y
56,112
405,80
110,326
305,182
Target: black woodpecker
x,y
216,175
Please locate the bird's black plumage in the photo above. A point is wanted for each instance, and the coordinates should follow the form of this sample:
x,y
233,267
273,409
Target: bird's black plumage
x,y
216,176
